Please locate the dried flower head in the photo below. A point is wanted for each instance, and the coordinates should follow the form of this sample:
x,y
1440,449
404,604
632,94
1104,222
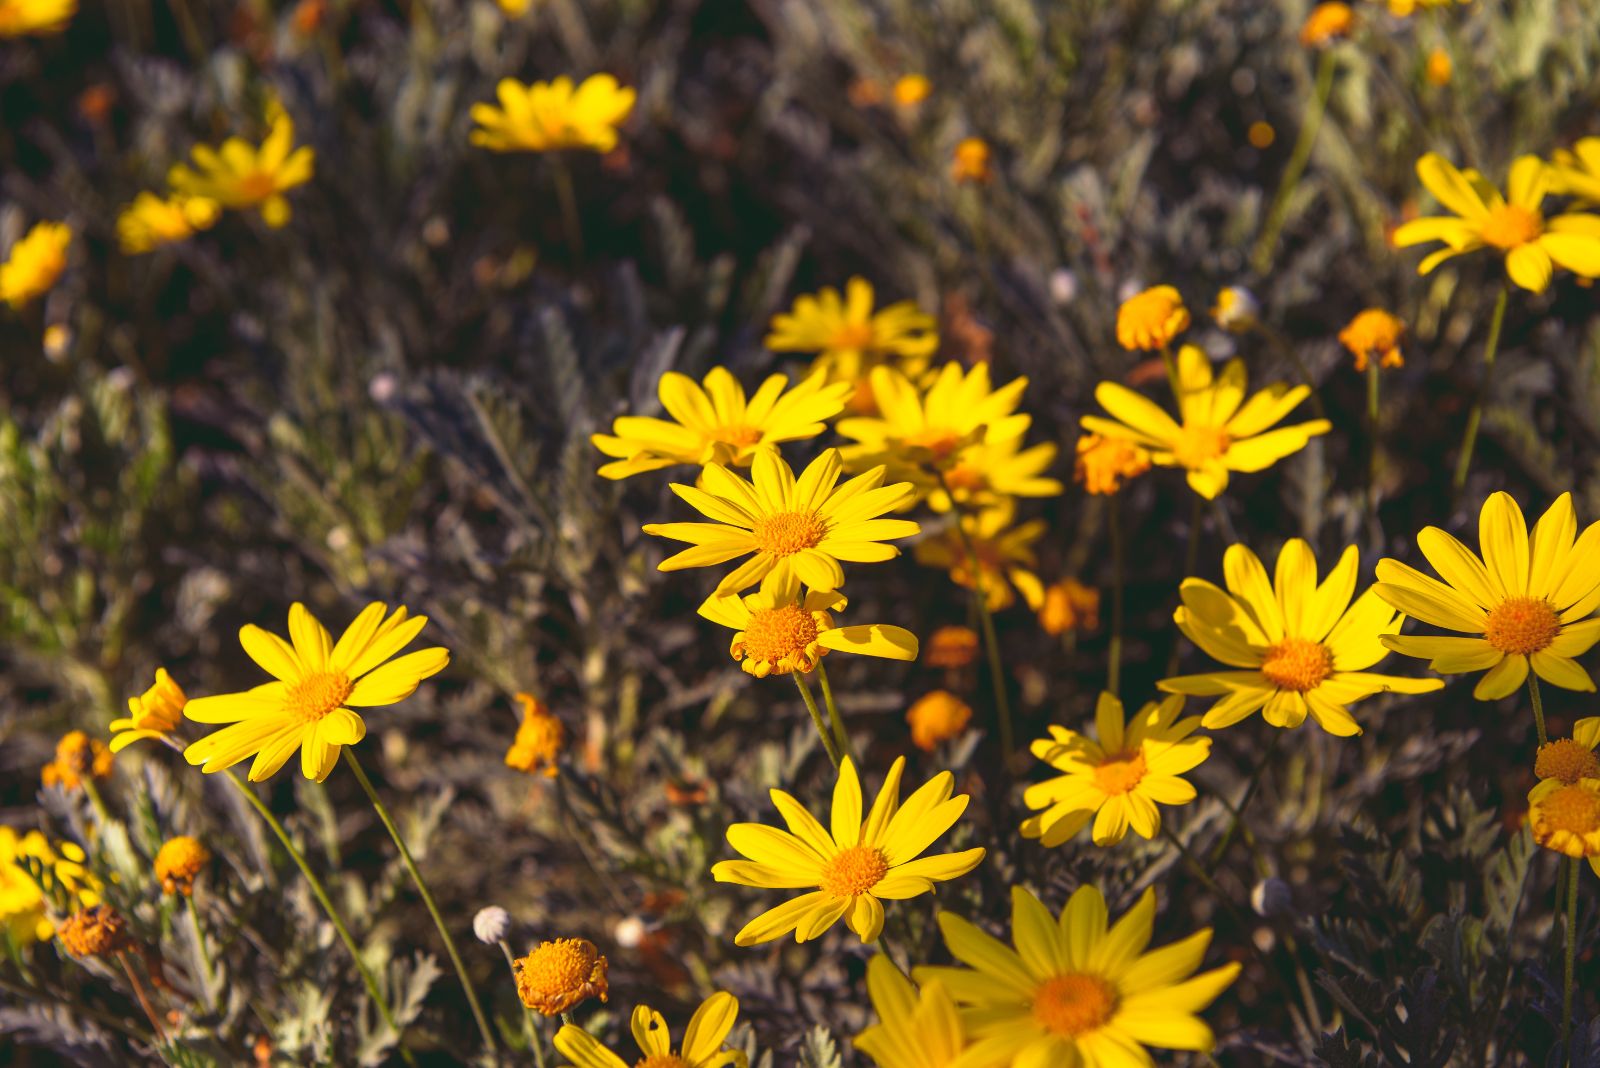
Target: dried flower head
x,y
98,931
972,162
951,647
1069,605
539,741
491,924
559,975
178,862
1374,334
78,757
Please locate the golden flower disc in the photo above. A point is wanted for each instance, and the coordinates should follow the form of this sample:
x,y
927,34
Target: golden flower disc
x,y
740,436
1297,664
1509,226
1522,626
1121,773
1566,759
1571,809
786,533
854,871
317,694
177,863
852,336
1197,446
1075,1004
775,633
560,974
663,1060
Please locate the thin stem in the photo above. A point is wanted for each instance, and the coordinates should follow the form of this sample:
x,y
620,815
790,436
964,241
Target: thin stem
x,y
1572,866
87,778
1372,438
530,1027
1191,553
1249,792
980,601
817,721
1470,438
1538,707
321,895
839,735
200,947
1316,108
144,1002
569,205
427,899
1114,667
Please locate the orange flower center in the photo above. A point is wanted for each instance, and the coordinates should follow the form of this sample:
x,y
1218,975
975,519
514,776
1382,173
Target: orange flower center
x,y
663,1060
965,478
1572,809
1199,445
938,440
853,336
1121,773
1075,1004
258,185
1522,626
854,871
786,533
736,435
1297,664
558,968
775,633
1509,226
316,695
1566,759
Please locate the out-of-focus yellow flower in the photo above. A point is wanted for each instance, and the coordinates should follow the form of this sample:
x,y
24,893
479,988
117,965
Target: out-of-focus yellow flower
x,y
911,90
716,423
514,9
558,976
1261,134
1104,463
540,737
63,882
1148,321
702,1042
317,682
1575,171
552,116
97,931
1327,23
951,647
179,862
937,717
1438,70
1529,606
1571,759
855,866
1406,8
1236,310
915,1029
1118,778
972,162
1221,431
1074,992
37,18
34,263
1566,818
1513,225
850,339
78,757
1004,552
151,221
153,714
1069,605
241,176
1374,334
780,632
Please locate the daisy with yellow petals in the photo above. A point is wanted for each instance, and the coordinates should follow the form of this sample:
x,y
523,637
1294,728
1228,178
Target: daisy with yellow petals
x,y
552,116
792,527
242,176
702,1042
854,865
1571,759
851,339
717,424
318,682
915,1029
1219,430
38,18
155,713
1576,171
151,221
1526,605
1075,993
1004,552
1117,779
1565,817
1513,225
34,263
1302,647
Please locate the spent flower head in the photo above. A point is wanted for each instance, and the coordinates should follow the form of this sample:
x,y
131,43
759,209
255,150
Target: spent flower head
x,y
179,862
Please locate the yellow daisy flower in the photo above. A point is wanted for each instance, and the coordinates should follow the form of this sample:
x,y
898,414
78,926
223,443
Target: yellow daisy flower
x,y
780,632
702,1042
241,176
38,18
1571,759
1566,818
855,865
318,681
34,263
1118,779
1530,605
718,424
1533,246
67,883
1075,993
1327,23
1302,647
155,713
552,116
802,527
1148,321
557,976
1221,430
850,338
1004,555
151,221
1576,171
915,1029
1102,464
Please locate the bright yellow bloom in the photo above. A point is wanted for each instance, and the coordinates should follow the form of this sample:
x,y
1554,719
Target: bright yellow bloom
x,y
1103,463
241,176
151,221
1118,778
34,263
1221,430
1566,818
153,714
717,424
1236,310
1405,8
779,632
1302,647
855,865
540,737
308,707
23,904
1576,171
1327,23
558,976
1374,335
1533,246
1528,605
179,862
1150,320
1571,759
850,338
911,90
935,717
1069,605
78,757
915,1029
795,527
514,9
1004,552
38,18
1075,993
702,1042
1439,69
552,116
972,162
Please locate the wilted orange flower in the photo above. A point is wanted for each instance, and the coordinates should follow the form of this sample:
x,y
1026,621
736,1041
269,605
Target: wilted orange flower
x,y
971,162
1105,463
559,975
1150,320
1069,605
98,931
1374,333
539,739
951,647
78,757
937,717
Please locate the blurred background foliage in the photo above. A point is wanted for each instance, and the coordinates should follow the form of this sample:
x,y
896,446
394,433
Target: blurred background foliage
x,y
390,398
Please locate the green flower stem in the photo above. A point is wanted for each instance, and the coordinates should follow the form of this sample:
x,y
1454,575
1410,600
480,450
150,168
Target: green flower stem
x,y
1372,438
1114,655
991,642
200,947
1249,792
530,1026
1469,438
1285,348
321,895
569,205
828,742
1572,868
1191,554
99,804
839,735
427,899
1538,706
1316,109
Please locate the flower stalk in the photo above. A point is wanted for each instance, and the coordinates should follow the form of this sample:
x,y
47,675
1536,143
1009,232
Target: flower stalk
x,y
1469,437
